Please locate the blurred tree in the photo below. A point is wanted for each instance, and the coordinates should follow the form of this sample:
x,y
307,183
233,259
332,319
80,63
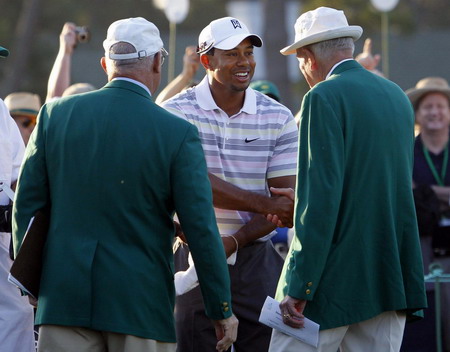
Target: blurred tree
x,y
24,30
276,68
30,29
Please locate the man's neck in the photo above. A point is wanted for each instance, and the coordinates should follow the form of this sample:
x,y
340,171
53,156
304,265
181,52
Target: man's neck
x,y
229,101
435,140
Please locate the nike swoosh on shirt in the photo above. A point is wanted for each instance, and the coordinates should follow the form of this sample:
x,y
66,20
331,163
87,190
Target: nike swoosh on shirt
x,y
250,140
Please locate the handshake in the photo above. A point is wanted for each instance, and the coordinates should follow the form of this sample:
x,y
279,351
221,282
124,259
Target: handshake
x,y
281,207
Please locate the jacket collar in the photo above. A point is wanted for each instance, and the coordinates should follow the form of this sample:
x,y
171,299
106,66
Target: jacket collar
x,y
125,84
345,66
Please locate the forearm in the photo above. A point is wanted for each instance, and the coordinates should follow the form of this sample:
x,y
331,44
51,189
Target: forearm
x,y
443,193
174,87
231,197
256,228
59,78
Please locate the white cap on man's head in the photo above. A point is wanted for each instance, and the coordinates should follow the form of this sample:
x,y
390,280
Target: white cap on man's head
x,y
137,31
225,33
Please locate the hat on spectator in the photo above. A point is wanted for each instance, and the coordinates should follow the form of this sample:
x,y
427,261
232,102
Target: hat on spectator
x,y
321,24
225,33
23,104
138,32
428,85
3,52
266,87
78,88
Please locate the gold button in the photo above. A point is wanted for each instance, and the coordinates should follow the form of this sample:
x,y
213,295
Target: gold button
x,y
309,284
308,291
226,309
225,304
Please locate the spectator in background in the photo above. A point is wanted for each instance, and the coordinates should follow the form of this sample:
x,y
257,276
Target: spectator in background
x,y
185,79
59,79
16,314
24,108
431,179
266,87
354,266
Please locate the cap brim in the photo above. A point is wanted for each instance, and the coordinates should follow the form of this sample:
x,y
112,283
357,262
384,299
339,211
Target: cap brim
x,y
414,94
354,32
234,41
3,52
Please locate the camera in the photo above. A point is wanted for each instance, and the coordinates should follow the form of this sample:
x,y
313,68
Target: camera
x,y
83,34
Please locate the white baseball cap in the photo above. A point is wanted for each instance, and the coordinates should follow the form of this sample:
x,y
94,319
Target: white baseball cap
x,y
137,31
225,33
321,24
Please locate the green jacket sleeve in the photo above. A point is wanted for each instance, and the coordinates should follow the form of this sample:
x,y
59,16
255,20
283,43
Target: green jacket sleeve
x,y
319,188
193,204
32,191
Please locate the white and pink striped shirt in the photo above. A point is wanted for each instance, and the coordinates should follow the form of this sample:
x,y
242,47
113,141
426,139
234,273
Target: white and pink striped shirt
x,y
246,149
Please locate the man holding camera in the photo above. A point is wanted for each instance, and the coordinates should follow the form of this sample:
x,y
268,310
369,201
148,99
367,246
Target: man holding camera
x,y
16,315
59,80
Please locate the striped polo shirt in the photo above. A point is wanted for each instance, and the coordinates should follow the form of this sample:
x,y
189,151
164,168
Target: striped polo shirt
x,y
246,149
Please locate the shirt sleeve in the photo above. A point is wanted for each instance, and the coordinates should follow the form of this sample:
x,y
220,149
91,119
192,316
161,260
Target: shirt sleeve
x,y
284,158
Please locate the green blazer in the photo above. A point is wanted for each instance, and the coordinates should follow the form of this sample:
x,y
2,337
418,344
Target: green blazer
x,y
115,167
356,250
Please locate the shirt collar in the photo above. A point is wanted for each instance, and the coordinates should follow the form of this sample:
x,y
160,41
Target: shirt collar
x,y
206,101
140,84
332,69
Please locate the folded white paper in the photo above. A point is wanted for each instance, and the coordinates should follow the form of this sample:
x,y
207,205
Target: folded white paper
x,y
271,316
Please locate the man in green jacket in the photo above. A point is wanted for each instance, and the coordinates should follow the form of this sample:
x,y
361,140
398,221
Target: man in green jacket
x,y
355,263
114,167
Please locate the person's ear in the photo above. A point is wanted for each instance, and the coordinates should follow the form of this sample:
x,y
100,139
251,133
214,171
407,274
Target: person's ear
x,y
103,64
157,63
204,59
310,57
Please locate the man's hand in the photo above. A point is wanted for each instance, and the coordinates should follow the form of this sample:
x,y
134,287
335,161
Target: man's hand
x,y
367,59
68,38
292,312
179,231
191,62
33,301
226,332
282,212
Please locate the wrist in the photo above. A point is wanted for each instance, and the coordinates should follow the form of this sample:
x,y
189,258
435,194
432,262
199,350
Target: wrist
x,y
236,242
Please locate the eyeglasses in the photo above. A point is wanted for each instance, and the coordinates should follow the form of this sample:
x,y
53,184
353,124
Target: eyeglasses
x,y
164,55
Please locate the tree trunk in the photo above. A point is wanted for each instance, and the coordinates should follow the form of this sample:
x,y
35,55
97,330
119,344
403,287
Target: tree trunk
x,y
16,63
275,38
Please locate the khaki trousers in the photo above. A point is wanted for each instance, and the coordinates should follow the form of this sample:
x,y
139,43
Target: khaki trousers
x,y
55,338
381,333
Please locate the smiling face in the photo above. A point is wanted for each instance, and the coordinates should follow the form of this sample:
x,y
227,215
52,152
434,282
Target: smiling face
x,y
433,112
232,70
